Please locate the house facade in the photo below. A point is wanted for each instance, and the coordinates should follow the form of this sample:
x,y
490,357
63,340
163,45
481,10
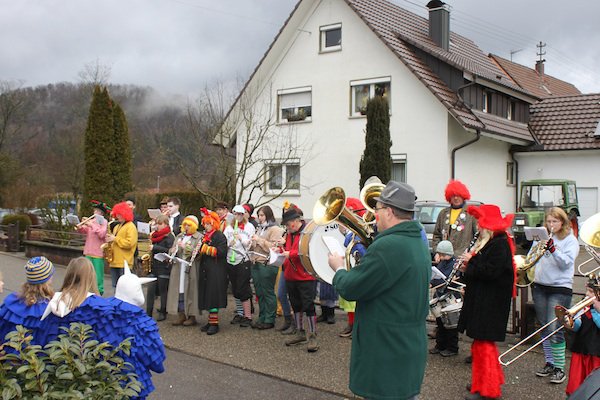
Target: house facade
x,y
454,112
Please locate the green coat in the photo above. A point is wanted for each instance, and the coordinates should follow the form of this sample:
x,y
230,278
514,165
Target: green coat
x,y
389,340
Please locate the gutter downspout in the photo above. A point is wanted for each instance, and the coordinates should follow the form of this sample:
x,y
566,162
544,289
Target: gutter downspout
x,y
514,160
454,150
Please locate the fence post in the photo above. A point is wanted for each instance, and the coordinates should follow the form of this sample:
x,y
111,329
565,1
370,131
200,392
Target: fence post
x,y
13,237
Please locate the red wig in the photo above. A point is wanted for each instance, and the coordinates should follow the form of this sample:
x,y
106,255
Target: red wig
x,y
456,188
211,217
123,210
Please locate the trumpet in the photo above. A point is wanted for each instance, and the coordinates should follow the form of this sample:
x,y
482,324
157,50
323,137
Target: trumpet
x,y
84,220
566,317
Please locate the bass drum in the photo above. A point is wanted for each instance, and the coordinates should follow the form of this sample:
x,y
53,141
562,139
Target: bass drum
x,y
314,253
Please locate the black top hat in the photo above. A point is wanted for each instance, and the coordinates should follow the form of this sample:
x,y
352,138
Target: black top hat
x,y
291,214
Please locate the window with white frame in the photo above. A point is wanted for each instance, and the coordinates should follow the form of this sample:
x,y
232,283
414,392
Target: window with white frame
x,y
331,38
399,167
510,110
363,90
295,104
487,102
283,175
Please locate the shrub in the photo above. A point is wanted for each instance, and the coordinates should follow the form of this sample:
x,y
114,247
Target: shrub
x,y
24,221
72,367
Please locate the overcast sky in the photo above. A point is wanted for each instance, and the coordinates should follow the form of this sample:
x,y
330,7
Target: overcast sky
x,y
177,46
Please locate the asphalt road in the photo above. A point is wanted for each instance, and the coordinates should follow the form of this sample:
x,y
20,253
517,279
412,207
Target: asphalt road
x,y
242,363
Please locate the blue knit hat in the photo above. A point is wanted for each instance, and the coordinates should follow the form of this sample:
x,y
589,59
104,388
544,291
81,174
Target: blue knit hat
x,y
38,270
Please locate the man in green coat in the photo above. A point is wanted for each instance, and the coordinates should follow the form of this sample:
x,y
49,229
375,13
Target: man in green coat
x,y
390,286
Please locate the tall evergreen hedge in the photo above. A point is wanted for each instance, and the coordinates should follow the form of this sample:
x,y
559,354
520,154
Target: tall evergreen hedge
x,y
376,159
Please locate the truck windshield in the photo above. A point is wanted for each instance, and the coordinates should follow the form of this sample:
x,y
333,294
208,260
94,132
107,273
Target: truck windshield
x,y
541,197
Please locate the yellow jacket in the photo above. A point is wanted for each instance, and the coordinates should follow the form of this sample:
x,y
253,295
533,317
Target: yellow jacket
x,y
124,245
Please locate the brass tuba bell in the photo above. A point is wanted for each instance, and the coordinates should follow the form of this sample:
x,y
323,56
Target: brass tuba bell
x,y
372,189
331,206
590,236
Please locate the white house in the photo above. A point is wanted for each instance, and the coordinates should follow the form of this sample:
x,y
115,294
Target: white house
x,y
454,112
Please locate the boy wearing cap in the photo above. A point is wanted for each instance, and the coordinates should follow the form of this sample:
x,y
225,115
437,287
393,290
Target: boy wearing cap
x,y
301,286
390,286
446,341
27,306
95,229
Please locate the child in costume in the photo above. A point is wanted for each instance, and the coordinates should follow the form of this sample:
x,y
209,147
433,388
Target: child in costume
x,y
27,306
95,230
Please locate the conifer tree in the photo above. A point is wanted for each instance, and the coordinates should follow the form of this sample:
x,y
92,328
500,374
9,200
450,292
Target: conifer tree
x,y
122,168
98,149
376,159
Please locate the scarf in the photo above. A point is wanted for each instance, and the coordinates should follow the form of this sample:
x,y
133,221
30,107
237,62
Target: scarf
x,y
159,235
208,236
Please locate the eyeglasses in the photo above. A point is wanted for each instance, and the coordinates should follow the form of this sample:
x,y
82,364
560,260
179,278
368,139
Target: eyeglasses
x,y
379,208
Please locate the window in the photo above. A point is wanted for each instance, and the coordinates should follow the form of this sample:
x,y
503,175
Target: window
x,y
399,167
283,176
510,173
487,102
295,104
510,111
331,38
364,90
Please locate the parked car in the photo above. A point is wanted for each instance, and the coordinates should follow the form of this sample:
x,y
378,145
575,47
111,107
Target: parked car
x,y
427,213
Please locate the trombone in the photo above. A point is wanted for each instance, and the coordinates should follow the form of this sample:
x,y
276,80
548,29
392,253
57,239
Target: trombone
x,y
566,317
590,236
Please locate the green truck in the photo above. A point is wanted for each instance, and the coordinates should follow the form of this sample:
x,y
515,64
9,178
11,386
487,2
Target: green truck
x,y
537,196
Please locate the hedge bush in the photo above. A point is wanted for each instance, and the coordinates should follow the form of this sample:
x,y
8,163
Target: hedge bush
x,y
23,219
72,367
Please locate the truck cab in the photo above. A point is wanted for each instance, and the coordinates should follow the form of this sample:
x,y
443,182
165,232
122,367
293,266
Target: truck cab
x,y
539,195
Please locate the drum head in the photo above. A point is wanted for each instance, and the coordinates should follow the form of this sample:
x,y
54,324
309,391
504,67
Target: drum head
x,y
314,253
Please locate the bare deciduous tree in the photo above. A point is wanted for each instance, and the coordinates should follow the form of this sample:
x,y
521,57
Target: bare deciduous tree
x,y
12,104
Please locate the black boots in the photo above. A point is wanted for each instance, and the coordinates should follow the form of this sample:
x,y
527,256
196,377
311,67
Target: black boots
x,y
327,315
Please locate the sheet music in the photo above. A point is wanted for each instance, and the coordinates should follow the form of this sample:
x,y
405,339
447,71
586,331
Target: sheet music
x,y
334,246
143,227
72,219
436,273
153,213
162,257
536,233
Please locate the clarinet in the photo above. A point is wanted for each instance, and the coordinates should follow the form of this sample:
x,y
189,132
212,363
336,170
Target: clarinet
x,y
458,263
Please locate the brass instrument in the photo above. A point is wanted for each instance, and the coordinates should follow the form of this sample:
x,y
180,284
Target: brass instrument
x,y
372,189
146,261
590,236
107,250
565,316
526,265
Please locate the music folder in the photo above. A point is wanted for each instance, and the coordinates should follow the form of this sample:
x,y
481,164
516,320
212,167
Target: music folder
x,y
536,233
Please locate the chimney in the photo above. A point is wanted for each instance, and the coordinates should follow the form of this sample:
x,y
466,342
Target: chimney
x,y
439,23
539,67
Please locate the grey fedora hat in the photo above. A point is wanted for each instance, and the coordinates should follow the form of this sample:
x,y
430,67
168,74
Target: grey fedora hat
x,y
398,194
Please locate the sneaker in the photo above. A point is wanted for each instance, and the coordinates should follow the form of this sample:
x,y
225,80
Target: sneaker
x,y
434,350
212,329
448,353
347,332
161,317
266,325
546,371
300,338
237,319
291,330
204,328
245,322
312,345
558,376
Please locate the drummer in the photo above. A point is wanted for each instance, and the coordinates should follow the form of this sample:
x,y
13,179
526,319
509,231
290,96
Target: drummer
x,y
301,286
446,340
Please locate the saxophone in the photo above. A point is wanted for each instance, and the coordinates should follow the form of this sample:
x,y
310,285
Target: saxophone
x,y
107,251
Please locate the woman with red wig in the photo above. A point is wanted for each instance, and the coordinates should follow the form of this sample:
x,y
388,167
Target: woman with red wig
x,y
123,237
489,273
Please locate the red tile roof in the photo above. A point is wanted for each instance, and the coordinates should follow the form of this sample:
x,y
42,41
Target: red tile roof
x,y
567,123
541,86
401,31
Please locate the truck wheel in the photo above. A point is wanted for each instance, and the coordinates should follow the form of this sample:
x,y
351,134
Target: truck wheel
x,y
574,224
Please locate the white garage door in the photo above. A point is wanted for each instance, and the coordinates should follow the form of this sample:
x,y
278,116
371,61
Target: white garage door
x,y
588,202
